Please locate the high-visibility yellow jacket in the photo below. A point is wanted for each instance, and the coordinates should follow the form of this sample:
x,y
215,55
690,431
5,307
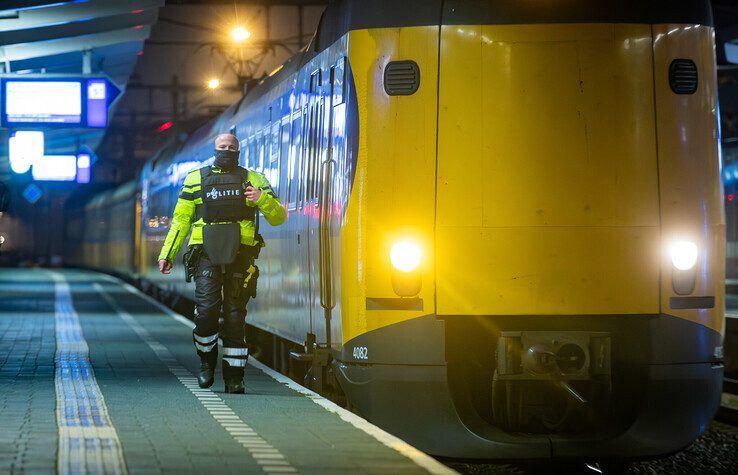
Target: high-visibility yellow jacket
x,y
191,197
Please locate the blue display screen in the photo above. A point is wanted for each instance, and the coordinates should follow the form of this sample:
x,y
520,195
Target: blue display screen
x,y
50,102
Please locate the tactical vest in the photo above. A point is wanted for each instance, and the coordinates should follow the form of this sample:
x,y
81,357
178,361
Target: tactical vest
x,y
223,207
224,197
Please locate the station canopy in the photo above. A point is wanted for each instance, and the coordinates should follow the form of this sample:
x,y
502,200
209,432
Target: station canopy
x,y
102,37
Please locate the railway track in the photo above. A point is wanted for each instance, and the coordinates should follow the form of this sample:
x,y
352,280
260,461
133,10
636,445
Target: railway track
x,y
715,452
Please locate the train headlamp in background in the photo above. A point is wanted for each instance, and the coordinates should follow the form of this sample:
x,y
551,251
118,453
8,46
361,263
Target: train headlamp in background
x,y
405,257
683,255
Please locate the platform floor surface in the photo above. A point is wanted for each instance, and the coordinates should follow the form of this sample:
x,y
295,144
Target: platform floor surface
x,y
96,378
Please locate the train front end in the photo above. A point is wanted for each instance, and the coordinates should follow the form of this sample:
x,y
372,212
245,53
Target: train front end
x,y
537,221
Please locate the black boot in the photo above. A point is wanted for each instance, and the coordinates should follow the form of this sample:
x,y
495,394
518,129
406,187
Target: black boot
x,y
233,379
208,361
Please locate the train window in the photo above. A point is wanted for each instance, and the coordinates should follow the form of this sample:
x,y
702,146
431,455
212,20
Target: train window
x,y
275,138
310,146
313,148
338,73
266,156
258,150
312,136
315,80
284,152
319,109
272,171
252,153
303,157
293,163
245,153
263,144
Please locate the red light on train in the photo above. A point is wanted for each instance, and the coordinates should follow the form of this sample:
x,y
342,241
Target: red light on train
x,y
730,197
165,126
137,11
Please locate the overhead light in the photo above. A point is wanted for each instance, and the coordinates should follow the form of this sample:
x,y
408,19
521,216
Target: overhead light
x,y
214,83
240,34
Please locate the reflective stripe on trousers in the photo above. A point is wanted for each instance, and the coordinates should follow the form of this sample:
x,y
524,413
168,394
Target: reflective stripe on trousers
x,y
205,344
235,357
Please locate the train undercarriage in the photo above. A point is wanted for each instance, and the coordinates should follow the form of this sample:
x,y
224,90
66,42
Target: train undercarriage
x,y
539,387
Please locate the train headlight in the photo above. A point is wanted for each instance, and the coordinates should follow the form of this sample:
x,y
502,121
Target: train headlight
x,y
683,254
405,255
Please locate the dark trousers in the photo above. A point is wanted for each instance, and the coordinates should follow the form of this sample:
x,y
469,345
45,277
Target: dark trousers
x,y
219,290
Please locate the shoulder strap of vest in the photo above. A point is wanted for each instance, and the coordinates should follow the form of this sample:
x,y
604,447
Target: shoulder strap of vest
x,y
244,173
205,172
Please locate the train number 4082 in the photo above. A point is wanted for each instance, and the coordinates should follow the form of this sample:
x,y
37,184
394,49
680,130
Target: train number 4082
x,y
361,353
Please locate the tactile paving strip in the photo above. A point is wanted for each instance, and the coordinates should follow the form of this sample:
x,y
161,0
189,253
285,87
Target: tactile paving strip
x,y
88,442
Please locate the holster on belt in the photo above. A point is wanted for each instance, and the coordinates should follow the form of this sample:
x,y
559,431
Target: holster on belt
x,y
249,282
190,260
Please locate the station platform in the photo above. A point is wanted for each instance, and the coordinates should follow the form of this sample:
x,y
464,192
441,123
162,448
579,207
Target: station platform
x,y
95,377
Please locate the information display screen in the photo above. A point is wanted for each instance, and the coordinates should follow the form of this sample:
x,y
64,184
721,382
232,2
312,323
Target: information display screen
x,y
55,168
43,102
37,100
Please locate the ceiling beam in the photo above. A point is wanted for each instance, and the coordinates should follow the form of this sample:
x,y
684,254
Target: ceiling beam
x,y
72,62
78,28
68,45
9,5
249,2
70,12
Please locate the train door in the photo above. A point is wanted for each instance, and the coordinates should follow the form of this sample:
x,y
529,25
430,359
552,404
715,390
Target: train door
x,y
310,207
317,191
328,224
299,321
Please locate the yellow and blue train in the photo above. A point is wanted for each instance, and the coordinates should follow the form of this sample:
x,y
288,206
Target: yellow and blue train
x,y
505,220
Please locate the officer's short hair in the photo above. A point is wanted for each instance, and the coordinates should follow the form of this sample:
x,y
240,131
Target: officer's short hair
x,y
235,139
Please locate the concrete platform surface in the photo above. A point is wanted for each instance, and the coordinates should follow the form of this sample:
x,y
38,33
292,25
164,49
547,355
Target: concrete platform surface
x,y
95,377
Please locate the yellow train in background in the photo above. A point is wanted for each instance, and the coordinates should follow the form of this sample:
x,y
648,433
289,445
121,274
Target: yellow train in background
x,y
505,234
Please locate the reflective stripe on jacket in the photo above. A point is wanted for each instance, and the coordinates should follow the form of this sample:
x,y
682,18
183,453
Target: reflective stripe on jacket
x,y
191,196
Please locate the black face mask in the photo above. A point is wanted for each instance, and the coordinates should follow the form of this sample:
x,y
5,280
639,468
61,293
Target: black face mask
x,y
226,159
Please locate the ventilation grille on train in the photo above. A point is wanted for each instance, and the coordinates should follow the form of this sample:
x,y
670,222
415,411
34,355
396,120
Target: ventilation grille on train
x,y
401,78
683,76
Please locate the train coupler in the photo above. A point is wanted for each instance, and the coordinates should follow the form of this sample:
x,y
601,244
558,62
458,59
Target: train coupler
x,y
551,381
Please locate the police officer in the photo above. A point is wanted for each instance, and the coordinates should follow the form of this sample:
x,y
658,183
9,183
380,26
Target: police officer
x,y
220,203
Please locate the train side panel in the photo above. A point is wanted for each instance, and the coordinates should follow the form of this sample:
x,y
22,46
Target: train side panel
x,y
393,193
296,136
689,173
